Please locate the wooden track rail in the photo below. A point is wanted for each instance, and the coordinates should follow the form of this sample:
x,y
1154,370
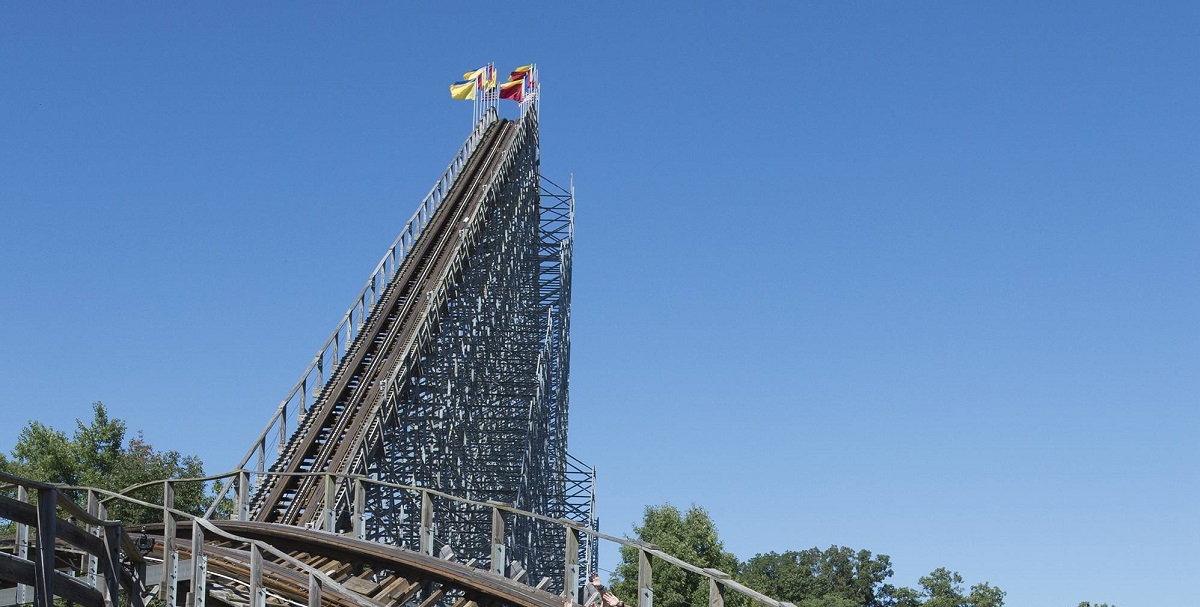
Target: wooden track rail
x,y
257,564
386,575
329,434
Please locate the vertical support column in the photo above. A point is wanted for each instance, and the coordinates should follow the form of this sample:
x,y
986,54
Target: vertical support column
x,y
199,566
497,541
327,514
242,508
258,594
22,544
314,591
112,560
262,456
137,591
43,565
571,566
716,593
426,524
303,396
170,564
360,510
591,540
111,584
94,579
337,347
645,580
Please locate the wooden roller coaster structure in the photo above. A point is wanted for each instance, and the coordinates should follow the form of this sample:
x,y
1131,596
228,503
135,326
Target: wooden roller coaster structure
x,y
428,468
192,561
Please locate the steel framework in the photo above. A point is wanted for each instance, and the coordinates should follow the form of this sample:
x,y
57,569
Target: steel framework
x,y
450,371
484,416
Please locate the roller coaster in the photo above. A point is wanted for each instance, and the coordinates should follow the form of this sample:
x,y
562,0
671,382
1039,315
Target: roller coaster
x,y
421,458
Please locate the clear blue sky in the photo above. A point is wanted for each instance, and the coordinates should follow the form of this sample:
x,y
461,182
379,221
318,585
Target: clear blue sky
x,y
920,278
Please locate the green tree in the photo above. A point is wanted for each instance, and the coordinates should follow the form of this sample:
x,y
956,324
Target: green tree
x,y
833,577
690,536
943,588
1090,604
97,455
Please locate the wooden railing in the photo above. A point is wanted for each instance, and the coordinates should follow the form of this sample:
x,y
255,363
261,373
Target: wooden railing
x,y
650,556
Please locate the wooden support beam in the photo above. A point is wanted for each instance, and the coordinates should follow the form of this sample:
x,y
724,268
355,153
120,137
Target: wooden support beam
x,y
434,597
327,514
170,581
69,589
497,542
47,513
516,571
26,514
360,510
571,568
645,582
113,534
199,567
716,593
258,593
426,524
314,591
242,508
92,572
22,544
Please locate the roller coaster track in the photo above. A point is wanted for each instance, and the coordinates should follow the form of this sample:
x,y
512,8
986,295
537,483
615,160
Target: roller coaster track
x,y
241,564
449,371
331,435
382,575
438,417
195,562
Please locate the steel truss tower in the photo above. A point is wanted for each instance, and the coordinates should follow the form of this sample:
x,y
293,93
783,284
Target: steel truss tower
x,y
450,372
484,416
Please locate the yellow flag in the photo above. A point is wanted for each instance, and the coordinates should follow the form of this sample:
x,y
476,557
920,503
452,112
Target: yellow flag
x,y
486,74
463,90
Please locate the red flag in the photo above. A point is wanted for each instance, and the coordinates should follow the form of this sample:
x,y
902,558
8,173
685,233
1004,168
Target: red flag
x,y
520,73
513,90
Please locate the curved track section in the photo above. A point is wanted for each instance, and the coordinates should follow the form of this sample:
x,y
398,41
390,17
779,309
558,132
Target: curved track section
x,y
195,562
386,576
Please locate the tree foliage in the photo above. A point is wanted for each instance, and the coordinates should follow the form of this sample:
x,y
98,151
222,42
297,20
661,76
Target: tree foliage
x,y
943,588
690,536
97,455
812,577
835,577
